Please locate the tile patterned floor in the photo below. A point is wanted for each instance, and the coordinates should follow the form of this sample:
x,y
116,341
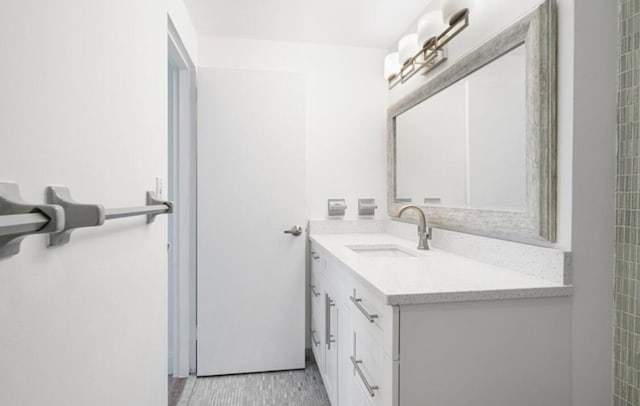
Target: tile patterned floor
x,y
285,388
176,386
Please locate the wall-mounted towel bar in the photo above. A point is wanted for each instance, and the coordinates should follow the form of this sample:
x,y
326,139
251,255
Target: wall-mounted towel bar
x,y
19,219
22,223
80,215
136,211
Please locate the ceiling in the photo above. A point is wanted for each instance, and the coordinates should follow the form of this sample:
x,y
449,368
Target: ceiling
x,y
361,23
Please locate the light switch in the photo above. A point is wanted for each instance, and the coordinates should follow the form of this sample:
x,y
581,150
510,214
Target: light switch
x,y
160,189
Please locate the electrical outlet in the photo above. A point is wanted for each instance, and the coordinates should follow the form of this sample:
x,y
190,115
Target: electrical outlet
x,y
160,189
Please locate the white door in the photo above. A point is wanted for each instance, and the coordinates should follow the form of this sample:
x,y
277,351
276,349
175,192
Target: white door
x,y
251,188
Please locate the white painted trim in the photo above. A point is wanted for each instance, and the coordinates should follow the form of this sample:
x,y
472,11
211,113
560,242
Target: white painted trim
x,y
467,143
172,131
181,20
177,51
184,218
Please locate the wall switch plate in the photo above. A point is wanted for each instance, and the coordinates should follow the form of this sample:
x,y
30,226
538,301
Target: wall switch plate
x,y
160,189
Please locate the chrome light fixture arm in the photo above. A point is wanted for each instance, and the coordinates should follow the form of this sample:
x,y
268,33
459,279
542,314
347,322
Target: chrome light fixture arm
x,y
433,53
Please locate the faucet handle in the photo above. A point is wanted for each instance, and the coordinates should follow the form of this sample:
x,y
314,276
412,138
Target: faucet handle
x,y
425,234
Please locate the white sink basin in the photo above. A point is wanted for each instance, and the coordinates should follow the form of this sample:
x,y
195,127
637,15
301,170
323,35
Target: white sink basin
x,y
382,251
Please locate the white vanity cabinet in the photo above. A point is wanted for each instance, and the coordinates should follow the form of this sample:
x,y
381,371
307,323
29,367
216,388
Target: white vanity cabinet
x,y
455,353
324,324
317,310
372,355
331,350
356,361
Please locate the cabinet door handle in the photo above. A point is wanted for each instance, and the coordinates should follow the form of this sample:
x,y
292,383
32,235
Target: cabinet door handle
x,y
356,301
370,388
314,291
328,337
313,338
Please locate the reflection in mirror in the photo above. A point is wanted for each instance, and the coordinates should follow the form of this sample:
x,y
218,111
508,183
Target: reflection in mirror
x,y
466,145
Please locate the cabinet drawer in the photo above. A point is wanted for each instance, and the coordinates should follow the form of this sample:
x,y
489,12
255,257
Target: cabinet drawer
x,y
375,373
316,289
317,260
317,342
376,318
358,397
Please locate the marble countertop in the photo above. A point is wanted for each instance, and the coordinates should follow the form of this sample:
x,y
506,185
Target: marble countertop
x,y
433,276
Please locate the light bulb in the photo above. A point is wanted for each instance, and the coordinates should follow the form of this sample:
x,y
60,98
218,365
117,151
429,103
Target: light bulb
x,y
452,9
391,65
407,47
429,26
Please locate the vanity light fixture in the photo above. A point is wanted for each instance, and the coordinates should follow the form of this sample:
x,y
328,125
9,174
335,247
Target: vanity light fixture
x,y
424,50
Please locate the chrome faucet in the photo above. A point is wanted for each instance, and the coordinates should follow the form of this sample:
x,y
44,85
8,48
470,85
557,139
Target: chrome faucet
x,y
424,233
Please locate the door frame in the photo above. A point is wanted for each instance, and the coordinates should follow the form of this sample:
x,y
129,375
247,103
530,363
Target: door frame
x,y
183,232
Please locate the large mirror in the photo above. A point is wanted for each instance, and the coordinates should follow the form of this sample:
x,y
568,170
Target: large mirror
x,y
465,146
475,146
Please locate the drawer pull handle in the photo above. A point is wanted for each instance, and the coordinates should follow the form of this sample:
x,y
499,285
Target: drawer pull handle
x,y
313,338
370,388
369,316
314,291
328,337
314,255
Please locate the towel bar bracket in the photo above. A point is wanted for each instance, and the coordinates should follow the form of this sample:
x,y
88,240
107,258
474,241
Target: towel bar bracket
x,y
77,215
152,200
20,219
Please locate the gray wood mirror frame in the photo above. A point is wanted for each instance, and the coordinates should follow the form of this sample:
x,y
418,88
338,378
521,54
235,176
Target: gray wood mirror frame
x,y
536,221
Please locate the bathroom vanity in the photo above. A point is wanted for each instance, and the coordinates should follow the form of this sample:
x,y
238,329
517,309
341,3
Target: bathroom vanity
x,y
395,326
474,149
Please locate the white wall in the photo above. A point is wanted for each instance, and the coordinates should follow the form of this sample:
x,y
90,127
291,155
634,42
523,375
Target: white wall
x,y
593,215
84,105
346,113
586,163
